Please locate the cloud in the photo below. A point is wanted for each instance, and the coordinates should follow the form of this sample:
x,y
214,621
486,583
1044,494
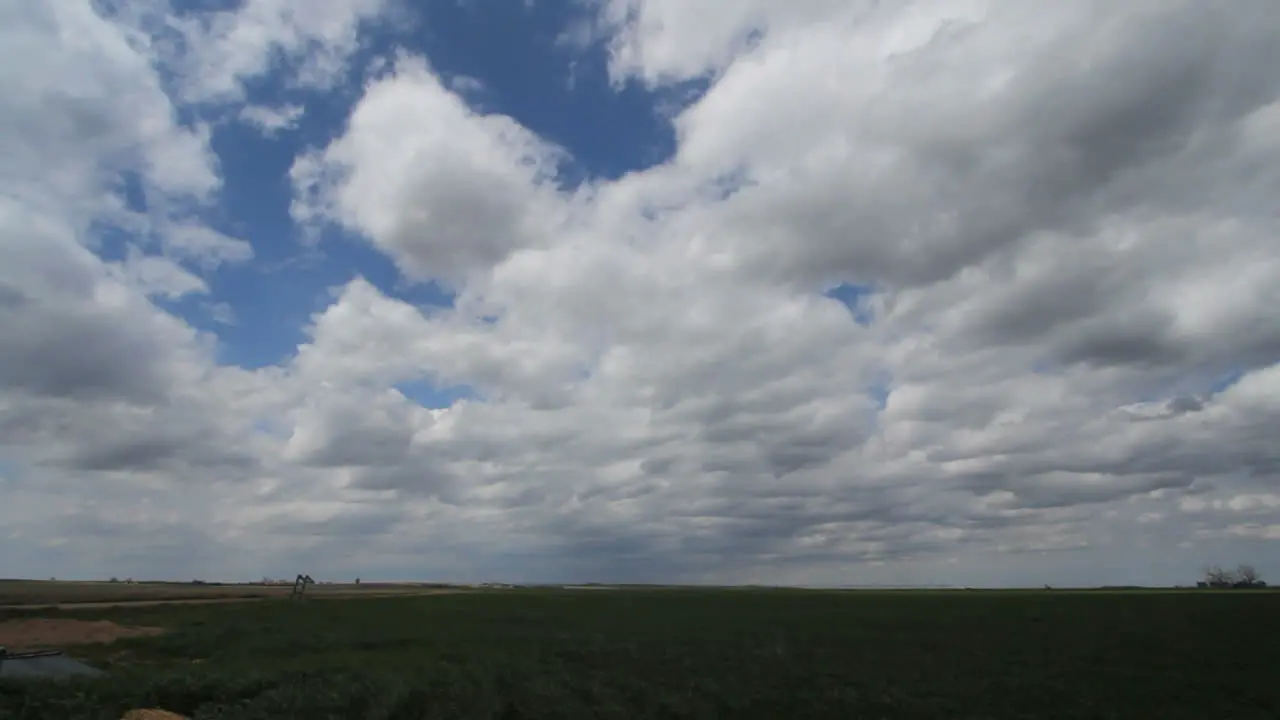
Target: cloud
x,y
77,113
155,276
216,52
221,313
839,179
97,381
203,245
457,191
272,120
667,41
1056,219
61,299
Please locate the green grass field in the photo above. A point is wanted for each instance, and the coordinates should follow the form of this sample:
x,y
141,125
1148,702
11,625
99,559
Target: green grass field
x,y
689,654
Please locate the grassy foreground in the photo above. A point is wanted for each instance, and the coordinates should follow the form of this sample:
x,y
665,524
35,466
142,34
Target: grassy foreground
x,y
689,654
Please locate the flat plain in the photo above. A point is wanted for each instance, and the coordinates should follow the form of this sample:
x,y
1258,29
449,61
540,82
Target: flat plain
x,y
636,653
27,593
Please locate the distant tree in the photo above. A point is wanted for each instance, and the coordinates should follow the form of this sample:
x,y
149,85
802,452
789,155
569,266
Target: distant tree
x,y
1244,576
1247,577
1247,574
1216,577
114,579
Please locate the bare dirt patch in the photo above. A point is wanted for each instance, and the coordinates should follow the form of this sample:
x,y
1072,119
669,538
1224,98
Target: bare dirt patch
x,y
43,633
152,715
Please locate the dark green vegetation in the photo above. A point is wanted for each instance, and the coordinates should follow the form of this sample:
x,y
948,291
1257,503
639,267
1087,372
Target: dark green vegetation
x,y
687,654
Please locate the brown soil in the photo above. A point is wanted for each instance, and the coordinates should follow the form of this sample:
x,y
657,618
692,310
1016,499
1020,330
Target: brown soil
x,y
152,715
44,633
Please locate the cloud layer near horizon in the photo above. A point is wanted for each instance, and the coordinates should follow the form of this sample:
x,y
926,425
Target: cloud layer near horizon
x,y
1052,224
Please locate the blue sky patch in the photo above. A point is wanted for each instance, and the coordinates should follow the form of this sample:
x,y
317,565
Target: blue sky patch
x,y
9,470
557,91
507,58
852,297
880,389
428,395
1225,381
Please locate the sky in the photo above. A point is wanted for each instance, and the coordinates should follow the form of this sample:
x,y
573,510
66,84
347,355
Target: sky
x,y
824,292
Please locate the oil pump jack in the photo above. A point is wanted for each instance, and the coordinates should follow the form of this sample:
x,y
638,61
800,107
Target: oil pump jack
x,y
300,586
